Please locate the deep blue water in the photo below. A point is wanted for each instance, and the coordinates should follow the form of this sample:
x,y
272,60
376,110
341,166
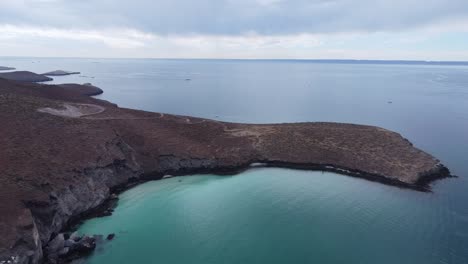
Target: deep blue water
x,y
277,215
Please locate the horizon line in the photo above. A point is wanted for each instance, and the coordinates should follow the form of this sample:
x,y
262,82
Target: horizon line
x,y
414,61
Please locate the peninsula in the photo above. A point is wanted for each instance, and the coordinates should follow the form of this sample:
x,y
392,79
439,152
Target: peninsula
x,y
64,153
25,76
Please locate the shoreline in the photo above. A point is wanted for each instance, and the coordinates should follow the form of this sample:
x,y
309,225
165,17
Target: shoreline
x,y
109,203
126,147
96,212
106,208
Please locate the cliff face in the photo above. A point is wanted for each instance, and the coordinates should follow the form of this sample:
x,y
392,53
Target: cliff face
x,y
63,153
52,169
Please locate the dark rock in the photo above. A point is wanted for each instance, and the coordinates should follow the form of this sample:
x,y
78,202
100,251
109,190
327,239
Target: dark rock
x,y
105,213
64,251
85,246
70,243
55,245
78,250
75,237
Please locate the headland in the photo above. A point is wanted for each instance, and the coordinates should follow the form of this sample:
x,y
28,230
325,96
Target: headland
x,y
64,154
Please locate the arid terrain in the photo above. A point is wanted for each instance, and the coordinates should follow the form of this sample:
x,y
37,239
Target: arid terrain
x,y
64,153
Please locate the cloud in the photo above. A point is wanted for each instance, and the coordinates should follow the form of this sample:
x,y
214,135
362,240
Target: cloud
x,y
124,42
234,17
115,38
412,29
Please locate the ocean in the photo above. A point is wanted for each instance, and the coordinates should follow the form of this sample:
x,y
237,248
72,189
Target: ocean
x,y
280,215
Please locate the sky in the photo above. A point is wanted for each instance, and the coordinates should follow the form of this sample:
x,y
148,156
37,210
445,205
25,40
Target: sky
x,y
243,29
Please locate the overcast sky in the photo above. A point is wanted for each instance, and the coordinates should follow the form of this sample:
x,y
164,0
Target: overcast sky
x,y
302,29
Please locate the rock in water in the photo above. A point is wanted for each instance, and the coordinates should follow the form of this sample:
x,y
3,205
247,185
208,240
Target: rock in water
x,y
85,246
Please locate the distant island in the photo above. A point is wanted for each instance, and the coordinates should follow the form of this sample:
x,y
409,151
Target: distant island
x,y
3,68
60,73
64,155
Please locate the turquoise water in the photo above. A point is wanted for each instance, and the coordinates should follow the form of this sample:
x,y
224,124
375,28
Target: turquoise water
x,y
277,216
286,216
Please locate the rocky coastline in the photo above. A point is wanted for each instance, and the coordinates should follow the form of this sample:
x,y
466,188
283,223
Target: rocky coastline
x,y
66,156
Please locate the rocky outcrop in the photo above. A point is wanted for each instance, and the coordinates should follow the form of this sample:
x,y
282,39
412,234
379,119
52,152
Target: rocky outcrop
x,y
60,73
24,76
66,247
58,168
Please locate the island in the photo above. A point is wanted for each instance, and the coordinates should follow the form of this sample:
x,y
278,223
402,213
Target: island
x,y
60,73
24,76
65,154
3,68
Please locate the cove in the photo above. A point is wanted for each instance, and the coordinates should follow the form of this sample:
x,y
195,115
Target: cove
x,y
270,215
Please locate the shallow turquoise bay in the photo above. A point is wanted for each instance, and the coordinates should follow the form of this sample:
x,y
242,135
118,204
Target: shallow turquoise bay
x,y
276,216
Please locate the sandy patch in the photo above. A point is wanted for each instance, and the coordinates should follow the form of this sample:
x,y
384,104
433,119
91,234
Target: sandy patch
x,y
73,110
